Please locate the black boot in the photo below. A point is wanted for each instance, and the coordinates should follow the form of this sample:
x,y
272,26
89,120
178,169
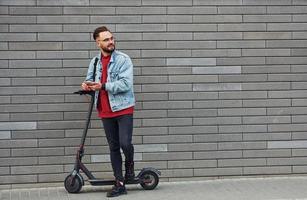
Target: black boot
x,y
129,175
118,189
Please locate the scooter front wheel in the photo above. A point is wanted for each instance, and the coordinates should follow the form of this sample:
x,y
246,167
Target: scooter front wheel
x,y
73,184
149,180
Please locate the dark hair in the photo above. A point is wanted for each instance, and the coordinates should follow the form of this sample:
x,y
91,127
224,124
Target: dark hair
x,y
99,30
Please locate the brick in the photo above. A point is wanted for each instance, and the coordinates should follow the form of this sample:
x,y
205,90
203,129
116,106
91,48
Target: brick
x,y
63,3
167,36
241,145
36,116
17,54
151,96
167,122
286,161
167,156
218,171
243,95
195,147
190,45
266,120
35,10
166,53
243,78
266,2
217,53
61,54
267,153
266,52
286,9
287,94
286,127
286,26
18,179
5,135
217,18
241,61
193,113
165,70
241,111
7,37
266,86
150,114
150,130
217,137
167,19
217,87
35,64
241,162
267,35
17,125
267,170
4,46
267,103
192,10
217,103
166,87
4,10
192,95
216,120
267,18
35,46
24,152
17,19
217,70
63,37
217,154
138,28
193,130
167,105
192,164
191,61
266,136
18,90
285,43
193,79
241,44
217,2
299,35
88,10
299,2
115,19
18,161
243,128
142,45
191,27
36,169
29,28
242,10
167,139
266,69
38,99
4,28
166,3
242,27
86,28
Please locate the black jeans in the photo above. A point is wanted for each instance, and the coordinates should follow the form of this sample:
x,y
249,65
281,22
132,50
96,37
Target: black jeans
x,y
118,131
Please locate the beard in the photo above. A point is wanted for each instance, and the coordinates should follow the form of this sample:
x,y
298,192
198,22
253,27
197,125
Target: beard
x,y
109,49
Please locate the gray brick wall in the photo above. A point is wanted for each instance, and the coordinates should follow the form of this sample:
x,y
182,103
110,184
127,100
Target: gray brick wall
x,y
220,86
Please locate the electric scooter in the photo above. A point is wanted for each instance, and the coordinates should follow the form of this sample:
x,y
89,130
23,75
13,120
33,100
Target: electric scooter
x,y
148,178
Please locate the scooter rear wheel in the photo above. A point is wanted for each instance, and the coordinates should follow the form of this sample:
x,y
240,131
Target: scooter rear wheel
x,y
149,180
73,184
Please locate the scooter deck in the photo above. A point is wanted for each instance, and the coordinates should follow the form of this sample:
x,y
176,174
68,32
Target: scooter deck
x,y
110,182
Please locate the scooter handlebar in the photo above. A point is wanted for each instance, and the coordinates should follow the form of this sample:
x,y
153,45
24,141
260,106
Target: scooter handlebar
x,y
84,92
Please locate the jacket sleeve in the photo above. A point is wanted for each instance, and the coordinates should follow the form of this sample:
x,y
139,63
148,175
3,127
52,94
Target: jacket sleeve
x,y
124,80
90,71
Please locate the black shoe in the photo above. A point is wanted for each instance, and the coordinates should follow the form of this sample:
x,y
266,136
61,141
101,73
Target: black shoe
x,y
129,175
118,189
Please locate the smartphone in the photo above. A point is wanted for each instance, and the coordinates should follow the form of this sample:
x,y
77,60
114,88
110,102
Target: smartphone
x,y
90,83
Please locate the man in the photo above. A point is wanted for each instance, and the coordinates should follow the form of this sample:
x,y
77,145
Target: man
x,y
114,100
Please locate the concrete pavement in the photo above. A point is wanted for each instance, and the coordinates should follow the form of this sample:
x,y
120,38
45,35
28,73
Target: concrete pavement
x,y
269,188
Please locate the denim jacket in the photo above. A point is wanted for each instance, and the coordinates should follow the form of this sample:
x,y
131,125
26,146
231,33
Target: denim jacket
x,y
119,83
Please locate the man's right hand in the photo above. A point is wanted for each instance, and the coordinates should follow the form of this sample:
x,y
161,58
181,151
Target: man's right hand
x,y
85,87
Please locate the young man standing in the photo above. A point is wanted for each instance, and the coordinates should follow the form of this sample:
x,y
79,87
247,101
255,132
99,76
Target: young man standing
x,y
114,100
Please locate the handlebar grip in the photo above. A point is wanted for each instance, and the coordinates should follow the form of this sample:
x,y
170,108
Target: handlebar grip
x,y
84,92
